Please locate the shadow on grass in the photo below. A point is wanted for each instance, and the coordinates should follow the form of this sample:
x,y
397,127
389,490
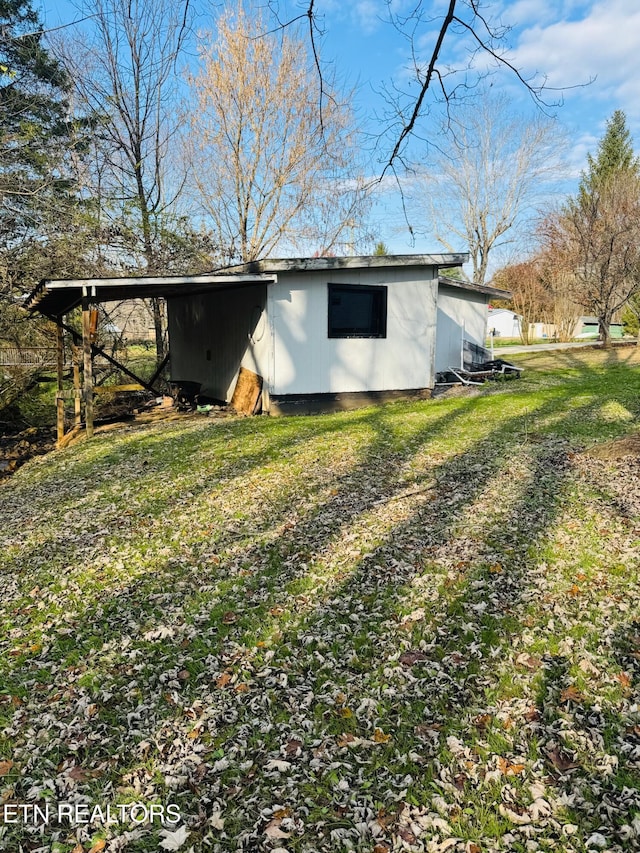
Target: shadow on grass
x,y
352,618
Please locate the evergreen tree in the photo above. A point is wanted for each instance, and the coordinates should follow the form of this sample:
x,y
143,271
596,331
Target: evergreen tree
x,y
34,126
615,155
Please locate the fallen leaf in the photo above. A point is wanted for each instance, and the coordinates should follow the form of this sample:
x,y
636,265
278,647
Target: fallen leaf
x,y
460,780
406,835
293,747
483,721
571,694
412,657
99,845
216,821
223,679
282,813
508,768
561,760
173,840
78,774
380,737
272,829
528,661
513,816
423,729
5,767
276,764
624,679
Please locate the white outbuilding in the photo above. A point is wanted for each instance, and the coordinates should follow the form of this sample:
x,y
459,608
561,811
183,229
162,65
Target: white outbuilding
x,y
315,334
503,323
329,333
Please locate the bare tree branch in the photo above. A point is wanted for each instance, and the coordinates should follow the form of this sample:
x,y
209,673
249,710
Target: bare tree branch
x,y
429,74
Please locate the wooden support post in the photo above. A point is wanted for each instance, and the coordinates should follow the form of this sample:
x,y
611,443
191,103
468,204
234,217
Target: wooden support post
x,y
77,402
87,364
60,378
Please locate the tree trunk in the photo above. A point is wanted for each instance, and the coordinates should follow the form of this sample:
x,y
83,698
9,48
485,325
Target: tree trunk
x,y
158,325
604,329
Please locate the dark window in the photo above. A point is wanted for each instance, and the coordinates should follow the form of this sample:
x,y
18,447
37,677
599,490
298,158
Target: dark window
x,y
357,312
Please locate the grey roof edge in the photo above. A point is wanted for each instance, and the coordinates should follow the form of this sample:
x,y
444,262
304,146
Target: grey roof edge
x,y
275,265
478,288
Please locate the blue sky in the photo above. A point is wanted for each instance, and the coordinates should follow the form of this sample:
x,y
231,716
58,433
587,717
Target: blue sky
x,y
570,42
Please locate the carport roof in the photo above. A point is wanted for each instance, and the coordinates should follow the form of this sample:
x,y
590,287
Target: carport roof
x,y
55,298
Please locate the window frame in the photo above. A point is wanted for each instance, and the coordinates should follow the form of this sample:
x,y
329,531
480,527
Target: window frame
x,y
378,290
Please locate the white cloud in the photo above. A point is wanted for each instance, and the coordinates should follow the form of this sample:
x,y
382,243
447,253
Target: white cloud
x,y
367,15
603,44
524,13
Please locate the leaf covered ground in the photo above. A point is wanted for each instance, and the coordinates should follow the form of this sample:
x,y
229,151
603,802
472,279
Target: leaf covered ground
x,y
413,627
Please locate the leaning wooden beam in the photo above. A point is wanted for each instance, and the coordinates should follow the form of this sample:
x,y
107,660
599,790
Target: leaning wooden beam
x,y
96,350
77,410
99,351
160,368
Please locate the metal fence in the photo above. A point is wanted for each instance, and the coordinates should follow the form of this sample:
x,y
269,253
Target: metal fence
x,y
28,356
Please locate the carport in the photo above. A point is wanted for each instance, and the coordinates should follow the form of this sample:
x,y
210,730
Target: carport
x,y
55,299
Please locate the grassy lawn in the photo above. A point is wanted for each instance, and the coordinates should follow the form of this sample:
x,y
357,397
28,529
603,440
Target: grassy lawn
x,y
411,627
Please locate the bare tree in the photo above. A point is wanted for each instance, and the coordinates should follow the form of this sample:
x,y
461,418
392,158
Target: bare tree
x,y
495,168
542,292
124,71
271,169
597,240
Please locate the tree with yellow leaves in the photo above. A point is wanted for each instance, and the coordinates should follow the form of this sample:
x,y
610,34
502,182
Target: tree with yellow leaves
x,y
272,167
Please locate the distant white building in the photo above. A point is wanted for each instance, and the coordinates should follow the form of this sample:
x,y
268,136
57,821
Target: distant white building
x,y
503,323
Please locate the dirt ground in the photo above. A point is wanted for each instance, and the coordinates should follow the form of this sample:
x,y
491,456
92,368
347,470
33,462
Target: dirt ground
x,y
628,445
16,448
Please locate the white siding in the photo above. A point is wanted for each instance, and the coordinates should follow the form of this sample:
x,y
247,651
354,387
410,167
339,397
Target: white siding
x,y
307,361
459,311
